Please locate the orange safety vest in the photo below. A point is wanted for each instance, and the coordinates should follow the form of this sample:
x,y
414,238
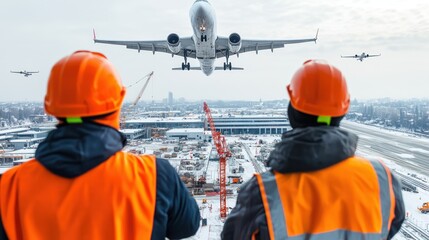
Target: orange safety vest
x,y
352,199
115,200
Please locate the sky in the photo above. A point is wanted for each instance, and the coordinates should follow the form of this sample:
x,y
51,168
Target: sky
x,y
36,34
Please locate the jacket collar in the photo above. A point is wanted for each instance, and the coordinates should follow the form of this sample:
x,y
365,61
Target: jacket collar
x,y
72,150
312,148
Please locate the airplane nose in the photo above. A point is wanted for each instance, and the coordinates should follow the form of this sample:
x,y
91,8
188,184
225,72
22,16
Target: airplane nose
x,y
200,10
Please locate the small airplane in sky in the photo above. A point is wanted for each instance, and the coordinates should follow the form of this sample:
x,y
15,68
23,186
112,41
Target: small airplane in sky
x,y
361,56
26,74
205,45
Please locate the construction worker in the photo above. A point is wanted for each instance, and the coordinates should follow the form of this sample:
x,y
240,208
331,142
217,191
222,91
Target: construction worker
x,y
80,184
317,188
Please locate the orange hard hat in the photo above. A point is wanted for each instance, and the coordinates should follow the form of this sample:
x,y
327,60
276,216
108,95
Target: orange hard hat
x,y
83,84
319,89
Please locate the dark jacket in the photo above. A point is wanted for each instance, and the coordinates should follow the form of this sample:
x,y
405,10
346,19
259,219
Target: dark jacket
x,y
301,150
72,150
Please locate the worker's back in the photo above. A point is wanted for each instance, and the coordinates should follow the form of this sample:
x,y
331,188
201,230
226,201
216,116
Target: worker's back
x,y
115,200
81,185
316,187
329,203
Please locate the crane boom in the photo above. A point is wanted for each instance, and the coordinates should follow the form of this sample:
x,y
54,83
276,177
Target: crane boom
x,y
149,76
224,153
125,112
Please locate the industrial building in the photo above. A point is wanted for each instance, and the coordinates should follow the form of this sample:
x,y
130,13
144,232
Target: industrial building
x,y
189,134
169,123
250,124
227,125
132,134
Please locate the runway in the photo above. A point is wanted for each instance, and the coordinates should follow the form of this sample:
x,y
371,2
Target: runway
x,y
405,150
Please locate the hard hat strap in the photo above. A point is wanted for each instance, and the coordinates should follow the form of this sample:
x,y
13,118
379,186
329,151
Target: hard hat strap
x,y
324,119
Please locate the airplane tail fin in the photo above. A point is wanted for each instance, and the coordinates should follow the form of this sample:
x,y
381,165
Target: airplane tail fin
x,y
317,34
94,36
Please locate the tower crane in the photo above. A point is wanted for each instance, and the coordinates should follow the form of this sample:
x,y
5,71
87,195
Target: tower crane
x,y
148,76
224,153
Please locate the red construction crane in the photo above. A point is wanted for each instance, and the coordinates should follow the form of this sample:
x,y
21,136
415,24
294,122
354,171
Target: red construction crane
x,y
224,153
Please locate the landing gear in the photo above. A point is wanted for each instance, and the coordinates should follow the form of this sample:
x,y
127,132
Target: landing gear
x,y
227,64
186,65
203,38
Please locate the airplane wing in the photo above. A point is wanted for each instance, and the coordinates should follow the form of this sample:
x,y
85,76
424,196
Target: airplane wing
x,y
256,45
15,72
192,68
353,56
232,68
33,72
375,55
155,46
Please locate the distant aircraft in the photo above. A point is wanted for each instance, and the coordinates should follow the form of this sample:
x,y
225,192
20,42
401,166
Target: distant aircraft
x,y
205,45
26,74
361,57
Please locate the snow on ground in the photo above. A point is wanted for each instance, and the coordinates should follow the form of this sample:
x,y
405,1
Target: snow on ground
x,y
405,155
412,202
249,170
395,132
210,211
419,150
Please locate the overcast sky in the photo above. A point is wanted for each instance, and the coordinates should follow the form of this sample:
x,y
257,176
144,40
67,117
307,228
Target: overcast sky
x,y
36,34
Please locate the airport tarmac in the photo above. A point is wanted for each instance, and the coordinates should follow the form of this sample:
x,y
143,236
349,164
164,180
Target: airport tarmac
x,y
404,149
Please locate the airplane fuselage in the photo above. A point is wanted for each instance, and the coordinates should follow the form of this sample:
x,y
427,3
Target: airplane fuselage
x,y
203,20
204,44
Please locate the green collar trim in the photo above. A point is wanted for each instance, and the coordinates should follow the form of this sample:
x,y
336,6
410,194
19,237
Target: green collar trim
x,y
324,119
74,120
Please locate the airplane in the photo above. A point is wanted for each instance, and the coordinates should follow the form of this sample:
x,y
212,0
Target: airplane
x,y
204,44
26,74
361,57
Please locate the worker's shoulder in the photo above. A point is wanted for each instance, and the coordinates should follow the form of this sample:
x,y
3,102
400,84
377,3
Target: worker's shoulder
x,y
28,164
374,160
146,157
162,165
250,185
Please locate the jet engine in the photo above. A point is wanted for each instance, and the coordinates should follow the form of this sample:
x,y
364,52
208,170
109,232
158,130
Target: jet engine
x,y
174,44
234,42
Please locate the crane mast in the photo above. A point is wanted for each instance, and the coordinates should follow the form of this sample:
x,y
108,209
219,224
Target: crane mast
x,y
223,152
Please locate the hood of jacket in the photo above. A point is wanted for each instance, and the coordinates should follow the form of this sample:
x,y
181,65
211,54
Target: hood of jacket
x,y
72,150
312,148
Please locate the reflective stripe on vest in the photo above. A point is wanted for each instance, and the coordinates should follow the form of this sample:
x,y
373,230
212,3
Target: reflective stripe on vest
x,y
385,182
277,221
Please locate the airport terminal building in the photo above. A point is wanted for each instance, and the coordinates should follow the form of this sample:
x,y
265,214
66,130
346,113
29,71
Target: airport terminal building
x,y
227,125
251,124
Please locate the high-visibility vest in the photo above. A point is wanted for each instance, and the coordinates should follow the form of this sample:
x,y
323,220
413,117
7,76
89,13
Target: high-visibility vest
x,y
352,199
114,200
